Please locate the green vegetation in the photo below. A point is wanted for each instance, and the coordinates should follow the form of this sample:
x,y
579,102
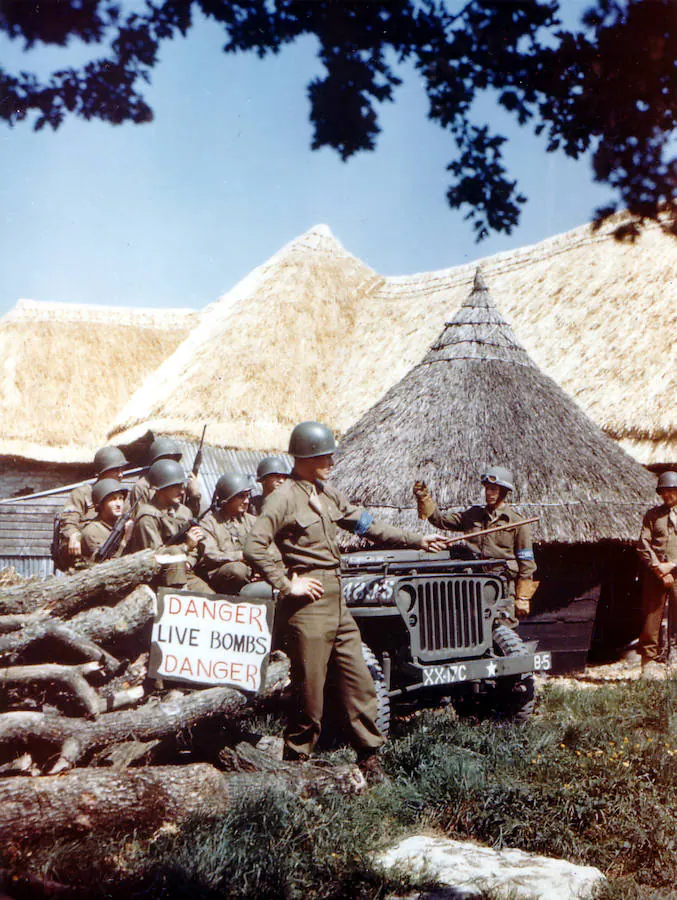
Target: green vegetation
x,y
592,778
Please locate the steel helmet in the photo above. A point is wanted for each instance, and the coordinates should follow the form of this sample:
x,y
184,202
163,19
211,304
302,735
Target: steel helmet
x,y
105,488
229,485
164,473
164,448
498,475
272,465
310,439
666,480
108,458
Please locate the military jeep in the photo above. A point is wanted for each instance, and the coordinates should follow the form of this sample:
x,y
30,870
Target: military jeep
x,y
431,622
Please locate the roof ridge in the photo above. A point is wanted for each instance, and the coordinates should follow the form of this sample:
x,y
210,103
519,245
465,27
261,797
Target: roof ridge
x,y
27,310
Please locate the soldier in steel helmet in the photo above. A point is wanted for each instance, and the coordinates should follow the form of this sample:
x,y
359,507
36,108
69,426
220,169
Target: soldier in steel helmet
x,y
301,518
160,520
657,548
167,448
109,462
225,529
108,497
271,472
515,547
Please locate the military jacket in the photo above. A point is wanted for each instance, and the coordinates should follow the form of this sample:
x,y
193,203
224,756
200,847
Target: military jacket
x,y
94,535
515,546
224,538
658,537
142,492
78,511
302,519
153,527
256,504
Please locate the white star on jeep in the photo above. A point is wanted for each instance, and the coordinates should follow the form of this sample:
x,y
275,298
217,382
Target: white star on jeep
x,y
491,669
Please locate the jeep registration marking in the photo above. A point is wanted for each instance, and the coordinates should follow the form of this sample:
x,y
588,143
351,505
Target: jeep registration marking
x,y
542,662
445,674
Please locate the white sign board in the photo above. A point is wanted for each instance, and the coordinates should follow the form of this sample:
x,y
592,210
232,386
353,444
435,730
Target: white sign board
x,y
211,639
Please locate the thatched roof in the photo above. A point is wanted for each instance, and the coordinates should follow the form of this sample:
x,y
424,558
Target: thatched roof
x,y
477,399
67,369
263,357
314,333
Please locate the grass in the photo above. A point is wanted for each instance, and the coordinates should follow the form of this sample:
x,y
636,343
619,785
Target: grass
x,y
592,778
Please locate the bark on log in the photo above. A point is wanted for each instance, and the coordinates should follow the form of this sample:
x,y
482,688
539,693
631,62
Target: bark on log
x,y
64,595
156,719
103,624
103,801
13,643
72,677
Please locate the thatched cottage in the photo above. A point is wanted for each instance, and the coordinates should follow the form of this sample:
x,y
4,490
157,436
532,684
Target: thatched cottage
x,y
476,399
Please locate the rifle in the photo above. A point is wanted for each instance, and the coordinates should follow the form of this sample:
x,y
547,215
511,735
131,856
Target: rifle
x,y
198,456
511,526
112,542
191,523
67,487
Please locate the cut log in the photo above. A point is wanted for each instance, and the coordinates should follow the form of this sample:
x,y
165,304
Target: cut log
x,y
120,756
105,801
104,624
156,719
13,643
64,595
72,677
22,765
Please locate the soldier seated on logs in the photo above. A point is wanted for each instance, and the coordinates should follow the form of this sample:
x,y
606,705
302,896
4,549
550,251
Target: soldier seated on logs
x,y
109,462
164,522
166,448
225,529
108,497
271,472
514,545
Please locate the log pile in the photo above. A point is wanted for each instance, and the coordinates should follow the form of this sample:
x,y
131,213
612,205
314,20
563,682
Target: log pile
x,y
89,742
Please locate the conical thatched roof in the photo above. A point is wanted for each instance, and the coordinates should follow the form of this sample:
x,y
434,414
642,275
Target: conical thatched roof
x,y
263,357
67,369
314,333
477,399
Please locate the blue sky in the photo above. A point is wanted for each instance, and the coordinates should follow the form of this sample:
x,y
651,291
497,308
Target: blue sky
x,y
174,213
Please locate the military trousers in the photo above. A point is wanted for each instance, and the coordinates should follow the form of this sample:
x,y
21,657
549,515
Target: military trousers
x,y
654,597
321,638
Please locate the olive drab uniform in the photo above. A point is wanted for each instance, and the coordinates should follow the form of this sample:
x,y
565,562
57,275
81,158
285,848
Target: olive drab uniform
x,y
222,562
515,547
143,492
94,535
657,544
153,527
301,518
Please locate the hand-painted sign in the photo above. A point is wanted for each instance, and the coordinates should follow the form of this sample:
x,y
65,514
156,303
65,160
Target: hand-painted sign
x,y
211,639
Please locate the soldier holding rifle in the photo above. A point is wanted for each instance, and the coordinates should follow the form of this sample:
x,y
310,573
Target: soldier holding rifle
x,y
109,462
513,543
302,517
165,522
167,448
109,497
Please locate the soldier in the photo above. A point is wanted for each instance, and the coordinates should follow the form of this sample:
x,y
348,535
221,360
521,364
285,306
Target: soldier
x,y
271,472
166,448
109,462
108,497
162,518
657,548
514,546
225,529
301,517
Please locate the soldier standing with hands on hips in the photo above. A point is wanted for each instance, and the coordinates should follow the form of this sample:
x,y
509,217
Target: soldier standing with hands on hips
x,y
301,518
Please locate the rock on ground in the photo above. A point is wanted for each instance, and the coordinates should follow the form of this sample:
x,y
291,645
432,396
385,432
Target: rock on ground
x,y
469,868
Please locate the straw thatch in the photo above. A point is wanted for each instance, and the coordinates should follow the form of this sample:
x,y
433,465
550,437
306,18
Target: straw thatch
x,y
67,370
478,399
264,356
314,333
